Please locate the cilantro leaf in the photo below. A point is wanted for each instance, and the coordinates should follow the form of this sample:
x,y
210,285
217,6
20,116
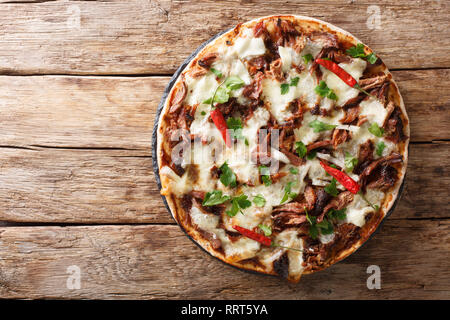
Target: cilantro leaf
x,y
259,200
326,227
284,88
293,170
235,126
380,148
376,130
227,177
323,91
331,188
311,155
287,192
320,126
307,58
300,148
350,161
216,72
234,83
358,52
266,229
294,81
265,175
222,95
214,197
237,204
337,214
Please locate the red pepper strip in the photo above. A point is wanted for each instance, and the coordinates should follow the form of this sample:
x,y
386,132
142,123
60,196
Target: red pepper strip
x,y
342,177
254,235
341,73
219,121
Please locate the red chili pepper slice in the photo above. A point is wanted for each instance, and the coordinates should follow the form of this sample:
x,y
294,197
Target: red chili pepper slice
x,y
342,177
254,236
341,73
219,121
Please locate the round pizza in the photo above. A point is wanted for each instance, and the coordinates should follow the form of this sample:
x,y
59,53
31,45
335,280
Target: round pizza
x,y
281,145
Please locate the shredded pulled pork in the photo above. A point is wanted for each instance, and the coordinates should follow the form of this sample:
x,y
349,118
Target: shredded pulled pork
x,y
390,159
179,96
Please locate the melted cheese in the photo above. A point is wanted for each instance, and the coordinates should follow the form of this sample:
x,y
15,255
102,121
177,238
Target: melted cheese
x,y
358,208
374,110
247,45
343,91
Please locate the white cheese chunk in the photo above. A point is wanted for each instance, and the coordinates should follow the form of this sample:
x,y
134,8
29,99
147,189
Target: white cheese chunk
x,y
246,45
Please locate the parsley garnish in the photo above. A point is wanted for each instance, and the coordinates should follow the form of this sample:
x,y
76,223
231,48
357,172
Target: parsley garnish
x,y
227,177
307,58
293,170
294,81
320,126
235,126
337,214
216,72
222,93
376,130
331,188
311,155
380,148
259,200
237,204
323,227
300,148
287,192
358,52
323,91
265,175
266,229
214,197
203,113
350,161
284,88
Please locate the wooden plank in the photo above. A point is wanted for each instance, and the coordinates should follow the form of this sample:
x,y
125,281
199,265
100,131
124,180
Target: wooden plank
x,y
116,186
118,112
154,37
159,262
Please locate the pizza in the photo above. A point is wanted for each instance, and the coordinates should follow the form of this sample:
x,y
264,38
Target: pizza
x,y
282,145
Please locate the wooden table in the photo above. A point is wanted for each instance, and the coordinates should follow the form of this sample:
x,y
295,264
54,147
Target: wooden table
x,y
79,86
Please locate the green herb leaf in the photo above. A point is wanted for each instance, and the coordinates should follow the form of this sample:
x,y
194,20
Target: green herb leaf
x,y
222,95
266,229
208,101
307,58
311,155
300,148
326,227
234,83
287,192
372,58
350,161
331,188
216,72
358,52
284,88
227,177
214,197
323,90
246,141
235,126
376,130
294,82
265,175
337,214
203,113
259,200
237,204
380,148
320,126
293,170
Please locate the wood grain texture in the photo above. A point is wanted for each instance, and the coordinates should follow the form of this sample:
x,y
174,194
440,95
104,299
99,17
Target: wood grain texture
x,y
156,262
118,112
153,37
114,186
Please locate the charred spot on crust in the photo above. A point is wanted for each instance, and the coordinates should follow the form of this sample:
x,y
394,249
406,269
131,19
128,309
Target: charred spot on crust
x,y
281,266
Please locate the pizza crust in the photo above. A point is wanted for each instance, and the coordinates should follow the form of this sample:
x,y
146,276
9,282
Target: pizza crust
x,y
176,209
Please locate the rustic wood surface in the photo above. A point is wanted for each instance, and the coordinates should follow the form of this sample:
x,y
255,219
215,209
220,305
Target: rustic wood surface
x,y
79,85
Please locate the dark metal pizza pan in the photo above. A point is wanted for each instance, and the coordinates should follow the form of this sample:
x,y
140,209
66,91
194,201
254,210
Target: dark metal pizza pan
x,y
169,86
